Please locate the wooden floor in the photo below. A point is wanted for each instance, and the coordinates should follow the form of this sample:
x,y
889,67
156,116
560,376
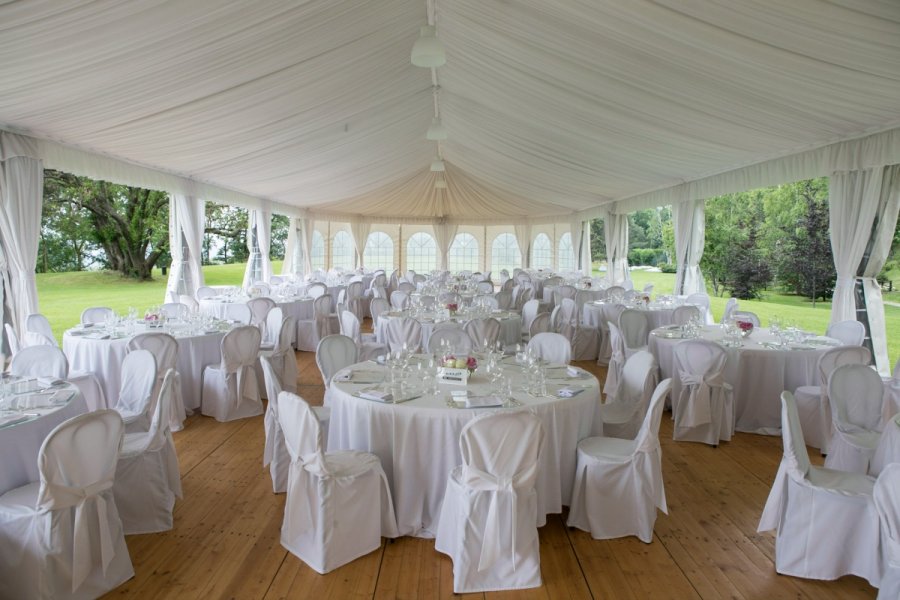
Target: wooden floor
x,y
225,543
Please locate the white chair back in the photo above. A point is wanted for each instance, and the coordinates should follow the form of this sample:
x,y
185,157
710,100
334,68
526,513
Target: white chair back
x,y
483,332
163,346
795,453
856,394
551,347
850,333
540,324
633,326
350,326
274,321
637,380
40,361
529,312
833,358
12,339
259,309
204,291
323,306
333,353
138,378
240,348
648,289
616,361
159,423
504,299
700,299
96,314
615,294
700,364
486,301
404,330
38,324
647,439
887,506
685,314
508,285
378,307
406,287
314,290
399,300
273,388
356,289
457,340
302,433
567,311
730,307
566,291
175,311
240,313
485,287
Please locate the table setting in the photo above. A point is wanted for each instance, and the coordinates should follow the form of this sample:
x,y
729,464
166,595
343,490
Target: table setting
x,y
510,322
409,409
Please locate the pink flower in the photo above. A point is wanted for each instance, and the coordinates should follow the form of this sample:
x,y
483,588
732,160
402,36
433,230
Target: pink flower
x,y
452,307
745,325
471,363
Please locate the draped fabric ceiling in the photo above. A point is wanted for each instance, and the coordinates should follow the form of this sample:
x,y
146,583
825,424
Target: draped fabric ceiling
x,y
553,108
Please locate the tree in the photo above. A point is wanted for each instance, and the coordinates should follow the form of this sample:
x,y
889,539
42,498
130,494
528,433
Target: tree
x,y
129,224
748,271
598,240
226,230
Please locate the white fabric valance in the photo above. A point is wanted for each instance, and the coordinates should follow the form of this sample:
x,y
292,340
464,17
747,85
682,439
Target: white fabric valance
x,y
689,219
616,228
187,218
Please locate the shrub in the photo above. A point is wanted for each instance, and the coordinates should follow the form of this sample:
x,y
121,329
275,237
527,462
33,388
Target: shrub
x,y
646,256
667,267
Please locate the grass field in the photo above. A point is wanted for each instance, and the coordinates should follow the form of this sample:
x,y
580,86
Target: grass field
x,y
63,296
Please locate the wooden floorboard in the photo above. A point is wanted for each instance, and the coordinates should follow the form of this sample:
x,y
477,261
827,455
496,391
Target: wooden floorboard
x,y
225,543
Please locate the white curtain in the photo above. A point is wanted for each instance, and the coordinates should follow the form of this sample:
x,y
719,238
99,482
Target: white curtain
x,y
863,208
523,237
293,252
259,231
359,231
616,228
21,200
444,233
576,230
689,219
187,219
587,265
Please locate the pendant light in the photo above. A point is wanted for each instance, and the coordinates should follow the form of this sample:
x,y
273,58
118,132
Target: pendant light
x,y
436,131
428,51
437,165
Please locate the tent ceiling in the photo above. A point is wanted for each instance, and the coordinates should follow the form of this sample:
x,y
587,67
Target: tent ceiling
x,y
552,107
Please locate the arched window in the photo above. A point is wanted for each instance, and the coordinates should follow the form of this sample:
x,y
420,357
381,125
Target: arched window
x,y
317,251
463,254
379,252
421,253
505,253
541,252
566,255
342,251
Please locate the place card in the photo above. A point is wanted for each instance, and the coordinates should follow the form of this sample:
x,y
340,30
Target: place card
x,y
453,376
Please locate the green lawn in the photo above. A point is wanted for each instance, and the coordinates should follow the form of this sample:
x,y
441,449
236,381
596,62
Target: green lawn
x,y
63,296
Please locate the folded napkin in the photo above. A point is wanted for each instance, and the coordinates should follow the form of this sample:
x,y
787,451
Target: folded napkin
x,y
568,392
482,401
573,371
377,395
49,381
344,376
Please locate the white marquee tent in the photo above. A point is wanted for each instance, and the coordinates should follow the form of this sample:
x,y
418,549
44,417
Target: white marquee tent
x,y
556,112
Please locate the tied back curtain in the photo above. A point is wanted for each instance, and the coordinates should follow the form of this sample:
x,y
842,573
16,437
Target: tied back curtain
x,y
576,230
616,227
689,219
187,216
444,234
259,228
294,261
359,231
863,208
523,237
21,199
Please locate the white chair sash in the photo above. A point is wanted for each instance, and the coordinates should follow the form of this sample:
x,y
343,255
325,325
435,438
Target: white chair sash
x,y
698,389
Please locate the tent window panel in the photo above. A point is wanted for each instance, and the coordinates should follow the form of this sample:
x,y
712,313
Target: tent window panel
x,y
505,253
317,251
421,253
566,255
463,254
342,251
542,252
379,251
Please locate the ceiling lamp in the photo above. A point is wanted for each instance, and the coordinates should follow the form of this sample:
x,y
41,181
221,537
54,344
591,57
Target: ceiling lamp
x,y
436,131
437,165
428,51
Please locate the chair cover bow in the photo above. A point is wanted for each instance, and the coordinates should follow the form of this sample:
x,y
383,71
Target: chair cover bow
x,y
697,411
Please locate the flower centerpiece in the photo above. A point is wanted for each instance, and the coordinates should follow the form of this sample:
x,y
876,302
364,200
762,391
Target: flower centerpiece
x,y
746,328
254,291
153,317
459,362
452,307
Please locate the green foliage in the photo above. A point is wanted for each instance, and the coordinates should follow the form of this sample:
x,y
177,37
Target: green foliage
x,y
598,240
226,231
646,256
667,267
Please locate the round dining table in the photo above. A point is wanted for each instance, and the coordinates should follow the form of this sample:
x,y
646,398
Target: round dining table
x,y
758,369
27,416
417,440
600,312
95,350
510,325
223,307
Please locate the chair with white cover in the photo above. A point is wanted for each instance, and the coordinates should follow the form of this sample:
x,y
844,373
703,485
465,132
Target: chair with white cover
x,y
314,290
564,291
616,361
136,387
12,339
368,347
406,287
648,289
165,349
812,400
61,537
323,323
175,311
551,347
504,299
240,313
730,307
615,293
488,522
619,483
525,294
40,361
230,389
190,302
148,478
272,330
281,356
204,291
338,503
856,394
485,301
540,324
887,506
508,286
702,300
529,312
446,298
404,331
399,300
634,329
453,339
485,287
275,454
745,316
333,354
96,314
623,413
585,340
37,325
484,333
259,311
377,307
685,314
704,410
850,333
276,280
825,520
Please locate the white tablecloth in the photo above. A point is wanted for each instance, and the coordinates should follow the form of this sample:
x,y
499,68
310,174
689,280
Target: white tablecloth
x,y
418,442
300,308
21,443
598,314
757,373
104,358
510,327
